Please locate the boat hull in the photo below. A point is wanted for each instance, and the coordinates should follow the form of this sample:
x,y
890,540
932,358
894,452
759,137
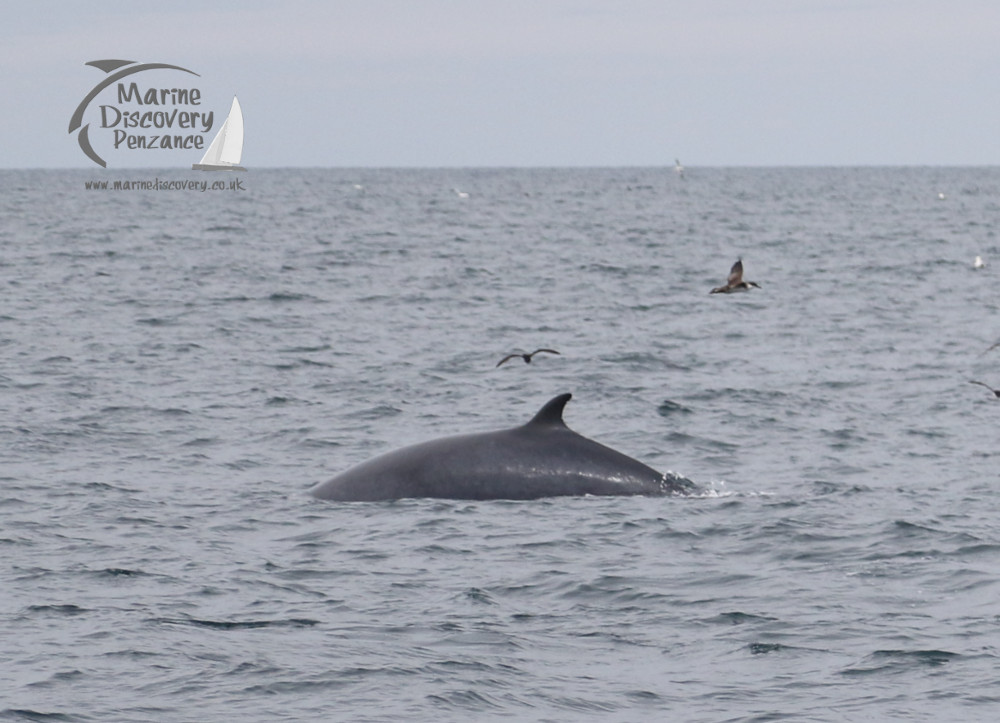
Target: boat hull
x,y
212,167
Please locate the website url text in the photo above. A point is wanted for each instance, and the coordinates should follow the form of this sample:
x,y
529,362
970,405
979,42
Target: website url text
x,y
157,185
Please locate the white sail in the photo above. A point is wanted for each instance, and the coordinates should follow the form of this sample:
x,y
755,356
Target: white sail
x,y
226,149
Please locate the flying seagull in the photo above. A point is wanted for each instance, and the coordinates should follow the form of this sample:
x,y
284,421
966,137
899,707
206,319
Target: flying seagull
x,y
526,357
996,392
735,281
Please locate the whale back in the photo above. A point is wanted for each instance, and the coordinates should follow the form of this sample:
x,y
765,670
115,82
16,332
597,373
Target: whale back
x,y
542,458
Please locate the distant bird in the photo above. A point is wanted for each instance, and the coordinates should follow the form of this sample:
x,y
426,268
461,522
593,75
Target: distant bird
x,y
978,263
678,168
526,357
996,392
735,281
460,194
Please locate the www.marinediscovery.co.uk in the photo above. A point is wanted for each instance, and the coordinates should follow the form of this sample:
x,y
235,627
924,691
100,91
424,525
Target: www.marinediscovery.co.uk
x,y
156,184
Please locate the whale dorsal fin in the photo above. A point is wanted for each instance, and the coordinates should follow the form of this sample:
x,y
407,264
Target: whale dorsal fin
x,y
551,413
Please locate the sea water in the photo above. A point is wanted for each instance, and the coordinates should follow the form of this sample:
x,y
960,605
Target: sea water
x,y
180,365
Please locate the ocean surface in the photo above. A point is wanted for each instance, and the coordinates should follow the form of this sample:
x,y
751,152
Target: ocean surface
x,y
178,367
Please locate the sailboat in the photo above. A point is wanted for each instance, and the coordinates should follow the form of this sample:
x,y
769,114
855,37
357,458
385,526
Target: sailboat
x,y
226,149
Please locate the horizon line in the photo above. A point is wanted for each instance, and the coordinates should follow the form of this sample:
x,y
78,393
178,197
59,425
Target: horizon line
x,y
651,166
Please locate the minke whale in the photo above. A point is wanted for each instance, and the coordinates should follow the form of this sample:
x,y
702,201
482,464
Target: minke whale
x,y
543,458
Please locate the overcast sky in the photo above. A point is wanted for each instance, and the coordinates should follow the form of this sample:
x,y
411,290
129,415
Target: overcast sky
x,y
525,82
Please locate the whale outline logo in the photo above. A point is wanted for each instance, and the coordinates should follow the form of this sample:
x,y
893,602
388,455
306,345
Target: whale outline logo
x,y
108,66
